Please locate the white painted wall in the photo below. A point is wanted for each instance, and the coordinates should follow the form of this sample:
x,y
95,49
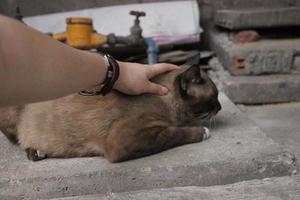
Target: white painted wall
x,y
164,18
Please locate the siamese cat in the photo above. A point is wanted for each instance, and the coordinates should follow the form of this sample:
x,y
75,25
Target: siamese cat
x,y
117,126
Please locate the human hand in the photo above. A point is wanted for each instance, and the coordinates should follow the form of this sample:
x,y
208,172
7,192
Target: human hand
x,y
135,78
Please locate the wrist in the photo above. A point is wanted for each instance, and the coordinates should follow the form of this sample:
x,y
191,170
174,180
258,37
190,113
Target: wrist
x,y
95,70
110,77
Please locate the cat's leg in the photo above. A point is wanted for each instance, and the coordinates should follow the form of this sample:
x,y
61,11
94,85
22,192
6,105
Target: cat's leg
x,y
11,135
35,155
149,141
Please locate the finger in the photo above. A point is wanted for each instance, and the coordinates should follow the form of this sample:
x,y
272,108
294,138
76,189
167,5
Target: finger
x,y
157,69
157,89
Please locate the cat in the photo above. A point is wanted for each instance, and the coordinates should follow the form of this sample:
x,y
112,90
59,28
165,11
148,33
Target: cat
x,y
117,126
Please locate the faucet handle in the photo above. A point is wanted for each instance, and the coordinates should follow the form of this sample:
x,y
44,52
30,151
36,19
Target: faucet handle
x,y
137,13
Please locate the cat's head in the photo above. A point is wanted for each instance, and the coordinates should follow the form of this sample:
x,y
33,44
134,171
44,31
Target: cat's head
x,y
198,92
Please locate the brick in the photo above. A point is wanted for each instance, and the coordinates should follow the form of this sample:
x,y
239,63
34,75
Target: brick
x,y
246,37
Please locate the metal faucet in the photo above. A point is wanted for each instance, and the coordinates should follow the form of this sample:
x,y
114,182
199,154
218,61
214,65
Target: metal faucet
x,y
135,38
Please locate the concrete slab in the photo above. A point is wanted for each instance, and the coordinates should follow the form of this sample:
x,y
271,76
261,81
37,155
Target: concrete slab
x,y
266,56
246,4
238,150
279,121
261,89
281,188
258,18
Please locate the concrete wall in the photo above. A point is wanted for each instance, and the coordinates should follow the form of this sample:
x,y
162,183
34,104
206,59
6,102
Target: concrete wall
x,y
37,7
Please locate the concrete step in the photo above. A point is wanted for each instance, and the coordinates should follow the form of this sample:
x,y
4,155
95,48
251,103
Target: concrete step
x,y
258,18
238,150
281,188
266,56
279,121
261,89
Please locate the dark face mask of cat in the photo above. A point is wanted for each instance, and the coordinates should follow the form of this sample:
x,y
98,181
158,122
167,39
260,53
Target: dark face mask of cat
x,y
199,92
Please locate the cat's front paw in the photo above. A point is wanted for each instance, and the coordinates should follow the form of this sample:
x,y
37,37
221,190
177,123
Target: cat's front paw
x,y
206,135
35,155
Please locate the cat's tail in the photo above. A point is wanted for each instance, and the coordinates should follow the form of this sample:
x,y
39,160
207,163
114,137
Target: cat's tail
x,y
9,119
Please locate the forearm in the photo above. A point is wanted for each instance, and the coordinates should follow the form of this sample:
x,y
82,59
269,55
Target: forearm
x,y
34,67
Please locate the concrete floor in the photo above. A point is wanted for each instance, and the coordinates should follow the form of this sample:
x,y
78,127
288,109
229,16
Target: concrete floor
x,y
238,150
281,122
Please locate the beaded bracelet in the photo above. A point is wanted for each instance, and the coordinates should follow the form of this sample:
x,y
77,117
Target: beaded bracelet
x,y
112,75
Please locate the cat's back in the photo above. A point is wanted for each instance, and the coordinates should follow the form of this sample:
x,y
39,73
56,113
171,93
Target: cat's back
x,y
76,113
70,112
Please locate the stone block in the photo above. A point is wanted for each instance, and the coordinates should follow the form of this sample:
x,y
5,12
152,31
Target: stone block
x,y
258,18
296,64
266,56
246,4
261,89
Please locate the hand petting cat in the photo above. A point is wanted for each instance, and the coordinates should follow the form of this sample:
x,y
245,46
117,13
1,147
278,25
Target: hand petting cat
x,y
135,78
29,74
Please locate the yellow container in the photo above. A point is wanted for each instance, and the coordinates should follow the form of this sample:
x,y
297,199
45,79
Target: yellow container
x,y
80,34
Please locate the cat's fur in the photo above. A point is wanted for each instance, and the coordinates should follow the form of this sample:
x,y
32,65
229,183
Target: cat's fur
x,y
117,126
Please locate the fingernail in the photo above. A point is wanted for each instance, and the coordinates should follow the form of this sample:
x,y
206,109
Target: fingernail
x,y
164,91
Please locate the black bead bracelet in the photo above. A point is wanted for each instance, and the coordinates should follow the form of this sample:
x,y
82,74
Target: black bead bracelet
x,y
112,75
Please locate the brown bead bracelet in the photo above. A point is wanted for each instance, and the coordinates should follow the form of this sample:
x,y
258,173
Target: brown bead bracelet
x,y
112,75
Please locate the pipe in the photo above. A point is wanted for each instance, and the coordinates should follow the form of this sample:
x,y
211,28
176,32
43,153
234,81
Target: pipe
x,y
152,51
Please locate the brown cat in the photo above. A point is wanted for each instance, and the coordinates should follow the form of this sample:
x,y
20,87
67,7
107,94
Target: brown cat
x,y
117,126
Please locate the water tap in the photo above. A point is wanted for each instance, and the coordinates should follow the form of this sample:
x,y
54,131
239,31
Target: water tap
x,y
135,38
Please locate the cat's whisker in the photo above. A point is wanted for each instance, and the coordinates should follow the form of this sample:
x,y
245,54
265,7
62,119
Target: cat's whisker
x,y
204,115
214,122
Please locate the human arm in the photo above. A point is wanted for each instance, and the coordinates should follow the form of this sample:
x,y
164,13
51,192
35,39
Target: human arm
x,y
34,67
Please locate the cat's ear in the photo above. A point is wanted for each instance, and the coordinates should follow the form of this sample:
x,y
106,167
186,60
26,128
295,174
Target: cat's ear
x,y
192,76
189,81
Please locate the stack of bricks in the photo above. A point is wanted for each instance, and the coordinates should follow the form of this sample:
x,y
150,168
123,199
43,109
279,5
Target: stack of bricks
x,y
262,45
